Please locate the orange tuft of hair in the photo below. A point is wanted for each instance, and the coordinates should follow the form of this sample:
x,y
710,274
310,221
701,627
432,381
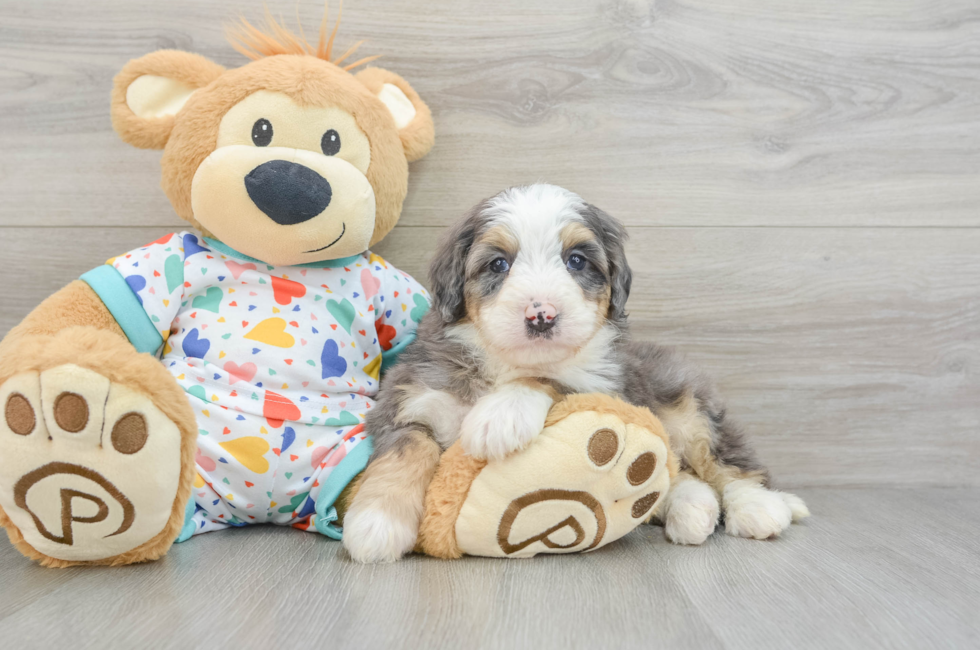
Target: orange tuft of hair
x,y
275,38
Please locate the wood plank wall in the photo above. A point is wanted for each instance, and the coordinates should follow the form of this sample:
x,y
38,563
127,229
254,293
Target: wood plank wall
x,y
801,181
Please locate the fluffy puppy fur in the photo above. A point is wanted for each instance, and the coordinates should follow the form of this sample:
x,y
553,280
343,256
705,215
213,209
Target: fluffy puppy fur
x,y
530,295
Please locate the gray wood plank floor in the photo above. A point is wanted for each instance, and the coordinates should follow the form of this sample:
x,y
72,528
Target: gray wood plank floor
x,y
802,185
875,568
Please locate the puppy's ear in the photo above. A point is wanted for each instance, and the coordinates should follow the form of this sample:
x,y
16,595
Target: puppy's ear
x,y
613,236
447,273
149,91
412,117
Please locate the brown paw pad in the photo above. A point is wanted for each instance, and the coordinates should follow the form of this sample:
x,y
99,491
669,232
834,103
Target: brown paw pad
x,y
19,414
603,446
641,469
129,434
71,412
644,504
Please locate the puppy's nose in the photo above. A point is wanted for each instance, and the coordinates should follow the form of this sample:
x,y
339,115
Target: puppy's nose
x,y
286,192
541,316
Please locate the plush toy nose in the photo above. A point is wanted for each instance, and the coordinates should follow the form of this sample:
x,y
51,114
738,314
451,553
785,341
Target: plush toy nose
x,y
541,316
287,192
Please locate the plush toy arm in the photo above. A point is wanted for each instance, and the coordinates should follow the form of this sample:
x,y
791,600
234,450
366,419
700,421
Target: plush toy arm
x,y
598,469
73,306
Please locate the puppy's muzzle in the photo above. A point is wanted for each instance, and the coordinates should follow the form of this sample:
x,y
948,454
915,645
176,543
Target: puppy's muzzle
x,y
540,317
288,193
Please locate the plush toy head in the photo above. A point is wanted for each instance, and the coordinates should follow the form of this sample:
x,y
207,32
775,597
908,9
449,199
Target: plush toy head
x,y
289,159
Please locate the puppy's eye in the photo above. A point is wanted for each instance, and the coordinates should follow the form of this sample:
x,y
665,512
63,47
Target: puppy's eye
x,y
575,262
330,142
262,132
499,265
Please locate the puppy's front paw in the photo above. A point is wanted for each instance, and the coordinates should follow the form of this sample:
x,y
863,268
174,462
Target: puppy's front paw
x,y
692,513
504,421
372,535
756,512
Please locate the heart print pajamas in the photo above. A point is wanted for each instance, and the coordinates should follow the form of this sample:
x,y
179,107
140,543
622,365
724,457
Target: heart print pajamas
x,y
280,365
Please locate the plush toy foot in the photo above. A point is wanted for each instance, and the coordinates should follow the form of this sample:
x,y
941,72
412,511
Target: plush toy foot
x,y
91,471
598,469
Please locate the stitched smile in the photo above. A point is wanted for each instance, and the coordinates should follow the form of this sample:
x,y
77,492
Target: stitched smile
x,y
342,231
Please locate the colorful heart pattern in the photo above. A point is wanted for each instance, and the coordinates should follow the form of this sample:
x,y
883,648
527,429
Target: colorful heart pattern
x,y
243,372
195,346
211,300
250,451
283,290
277,409
272,331
237,269
280,365
331,363
343,312
370,284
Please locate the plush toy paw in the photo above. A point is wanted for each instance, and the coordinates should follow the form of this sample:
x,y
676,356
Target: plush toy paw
x,y
89,469
757,512
598,469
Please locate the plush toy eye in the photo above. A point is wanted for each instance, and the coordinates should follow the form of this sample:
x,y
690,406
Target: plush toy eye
x,y
262,132
575,262
330,142
499,265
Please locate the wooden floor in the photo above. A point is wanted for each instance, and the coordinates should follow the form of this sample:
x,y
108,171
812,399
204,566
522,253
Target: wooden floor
x,y
802,184
876,568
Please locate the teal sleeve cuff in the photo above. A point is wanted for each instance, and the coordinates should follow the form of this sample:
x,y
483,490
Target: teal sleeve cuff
x,y
353,464
122,303
390,357
189,526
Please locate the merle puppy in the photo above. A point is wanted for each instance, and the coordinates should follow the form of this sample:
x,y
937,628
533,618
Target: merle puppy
x,y
529,304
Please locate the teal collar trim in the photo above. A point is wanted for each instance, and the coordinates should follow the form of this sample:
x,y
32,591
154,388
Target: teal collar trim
x,y
231,252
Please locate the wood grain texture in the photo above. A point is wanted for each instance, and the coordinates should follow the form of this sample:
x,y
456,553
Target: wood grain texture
x,y
800,182
674,112
849,354
875,568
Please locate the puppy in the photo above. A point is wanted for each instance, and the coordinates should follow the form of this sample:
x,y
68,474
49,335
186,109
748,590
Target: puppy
x,y
529,305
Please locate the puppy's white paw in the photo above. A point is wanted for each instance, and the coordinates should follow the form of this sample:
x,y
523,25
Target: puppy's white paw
x,y
692,513
796,506
504,421
753,511
372,535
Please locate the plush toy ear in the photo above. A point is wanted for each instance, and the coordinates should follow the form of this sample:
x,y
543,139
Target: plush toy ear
x,y
412,116
149,91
